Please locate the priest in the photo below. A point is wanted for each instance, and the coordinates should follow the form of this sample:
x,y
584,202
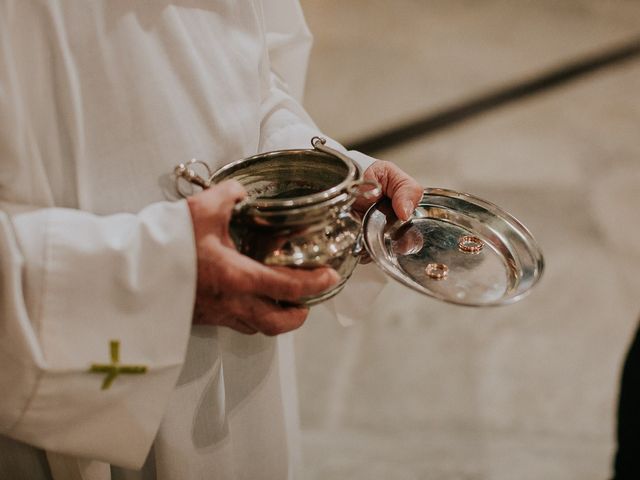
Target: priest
x,y
135,341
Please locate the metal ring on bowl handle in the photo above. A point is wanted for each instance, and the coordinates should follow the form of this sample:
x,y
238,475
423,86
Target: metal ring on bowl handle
x,y
189,174
183,171
319,143
318,140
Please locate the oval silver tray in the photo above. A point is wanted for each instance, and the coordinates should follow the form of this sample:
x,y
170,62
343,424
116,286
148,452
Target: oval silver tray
x,y
508,265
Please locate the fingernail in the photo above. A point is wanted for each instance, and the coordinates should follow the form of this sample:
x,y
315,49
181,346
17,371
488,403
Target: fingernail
x,y
334,275
407,209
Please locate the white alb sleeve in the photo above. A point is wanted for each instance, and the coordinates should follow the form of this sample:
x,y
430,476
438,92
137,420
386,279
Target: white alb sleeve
x,y
78,290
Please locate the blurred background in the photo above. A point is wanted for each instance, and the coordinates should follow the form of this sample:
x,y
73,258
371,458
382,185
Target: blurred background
x,y
533,105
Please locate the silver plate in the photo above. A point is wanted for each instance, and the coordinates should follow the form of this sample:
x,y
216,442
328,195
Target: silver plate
x,y
504,271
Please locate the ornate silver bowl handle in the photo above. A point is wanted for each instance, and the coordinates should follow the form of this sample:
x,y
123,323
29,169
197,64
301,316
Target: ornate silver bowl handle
x,y
187,172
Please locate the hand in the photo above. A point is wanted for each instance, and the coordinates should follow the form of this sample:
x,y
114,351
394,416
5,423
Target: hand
x,y
405,193
234,290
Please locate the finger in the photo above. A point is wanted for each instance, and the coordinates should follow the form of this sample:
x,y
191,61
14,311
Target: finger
x,y
216,203
241,326
268,317
246,276
223,311
211,210
363,202
408,240
405,193
229,192
225,320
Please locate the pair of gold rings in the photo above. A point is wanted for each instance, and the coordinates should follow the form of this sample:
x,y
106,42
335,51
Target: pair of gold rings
x,y
466,244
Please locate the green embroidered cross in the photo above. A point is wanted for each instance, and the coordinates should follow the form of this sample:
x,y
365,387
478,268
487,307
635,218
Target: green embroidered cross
x,y
114,368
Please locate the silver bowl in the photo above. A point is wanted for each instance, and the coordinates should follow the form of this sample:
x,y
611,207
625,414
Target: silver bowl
x,y
298,209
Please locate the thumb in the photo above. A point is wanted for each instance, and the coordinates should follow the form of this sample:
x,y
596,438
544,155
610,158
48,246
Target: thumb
x,y
211,209
405,193
221,198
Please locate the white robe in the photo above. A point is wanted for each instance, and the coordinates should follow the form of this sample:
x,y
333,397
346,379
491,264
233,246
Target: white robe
x,y
99,100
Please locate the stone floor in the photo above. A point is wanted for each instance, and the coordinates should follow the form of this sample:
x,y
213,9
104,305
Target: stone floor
x,y
425,390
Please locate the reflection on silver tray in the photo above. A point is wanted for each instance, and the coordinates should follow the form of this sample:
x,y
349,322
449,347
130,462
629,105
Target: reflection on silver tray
x,y
503,268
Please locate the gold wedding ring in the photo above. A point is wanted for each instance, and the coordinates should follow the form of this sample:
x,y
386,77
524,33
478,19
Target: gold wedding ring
x,y
437,271
470,244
